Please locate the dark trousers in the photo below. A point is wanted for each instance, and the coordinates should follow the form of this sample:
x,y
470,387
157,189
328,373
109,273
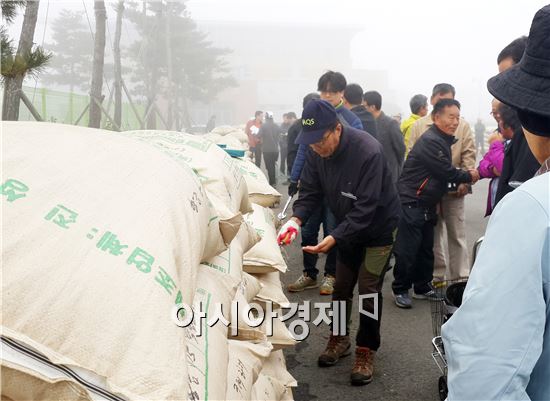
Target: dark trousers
x,y
284,151
257,152
270,158
310,236
367,271
414,256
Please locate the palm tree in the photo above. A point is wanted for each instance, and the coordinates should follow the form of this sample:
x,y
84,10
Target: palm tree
x,y
29,60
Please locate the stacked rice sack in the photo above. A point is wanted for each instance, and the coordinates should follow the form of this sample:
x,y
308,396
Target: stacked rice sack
x,y
254,373
103,235
227,134
223,280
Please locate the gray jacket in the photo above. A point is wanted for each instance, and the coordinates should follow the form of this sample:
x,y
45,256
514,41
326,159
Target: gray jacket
x,y
389,135
270,134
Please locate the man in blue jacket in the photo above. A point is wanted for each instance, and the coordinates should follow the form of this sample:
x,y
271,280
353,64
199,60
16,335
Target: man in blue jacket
x,y
331,87
498,342
346,169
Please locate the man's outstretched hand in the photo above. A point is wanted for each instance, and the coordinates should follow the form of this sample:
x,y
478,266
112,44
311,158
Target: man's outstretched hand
x,y
323,247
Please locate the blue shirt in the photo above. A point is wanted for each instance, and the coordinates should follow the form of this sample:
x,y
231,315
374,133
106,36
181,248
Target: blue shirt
x,y
498,342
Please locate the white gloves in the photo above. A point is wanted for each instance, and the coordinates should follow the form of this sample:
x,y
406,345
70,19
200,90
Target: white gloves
x,y
288,232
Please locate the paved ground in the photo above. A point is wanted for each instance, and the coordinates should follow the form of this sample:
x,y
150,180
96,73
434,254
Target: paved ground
x,y
404,366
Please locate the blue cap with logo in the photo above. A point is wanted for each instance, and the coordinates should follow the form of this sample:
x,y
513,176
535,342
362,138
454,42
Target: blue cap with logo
x,y
318,116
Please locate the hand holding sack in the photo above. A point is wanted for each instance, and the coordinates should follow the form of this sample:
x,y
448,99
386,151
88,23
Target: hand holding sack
x,y
288,232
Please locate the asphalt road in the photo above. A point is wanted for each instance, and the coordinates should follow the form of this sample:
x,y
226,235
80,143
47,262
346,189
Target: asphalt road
x,y
404,369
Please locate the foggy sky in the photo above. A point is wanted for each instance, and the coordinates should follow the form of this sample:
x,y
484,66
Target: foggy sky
x,y
419,43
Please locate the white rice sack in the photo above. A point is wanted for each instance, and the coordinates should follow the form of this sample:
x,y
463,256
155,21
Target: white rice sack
x,y
271,289
280,337
275,366
245,363
259,329
266,255
240,135
219,172
268,388
28,375
212,137
260,192
20,384
250,287
223,130
102,235
230,262
231,143
247,290
207,352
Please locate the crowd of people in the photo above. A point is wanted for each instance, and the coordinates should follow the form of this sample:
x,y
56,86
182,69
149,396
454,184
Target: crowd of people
x,y
377,189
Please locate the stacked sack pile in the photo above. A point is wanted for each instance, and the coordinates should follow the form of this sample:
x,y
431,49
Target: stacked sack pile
x,y
233,137
103,234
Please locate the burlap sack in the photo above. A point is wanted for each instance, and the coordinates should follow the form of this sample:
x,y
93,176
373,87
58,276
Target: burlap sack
x,y
245,363
266,255
260,192
219,173
102,235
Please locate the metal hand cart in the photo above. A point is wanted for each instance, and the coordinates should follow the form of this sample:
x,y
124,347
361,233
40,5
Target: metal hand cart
x,y
443,307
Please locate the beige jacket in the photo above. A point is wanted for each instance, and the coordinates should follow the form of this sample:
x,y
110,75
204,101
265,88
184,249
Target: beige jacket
x,y
463,151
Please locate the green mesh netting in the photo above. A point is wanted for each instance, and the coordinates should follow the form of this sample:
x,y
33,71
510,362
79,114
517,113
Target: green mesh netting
x,y
64,107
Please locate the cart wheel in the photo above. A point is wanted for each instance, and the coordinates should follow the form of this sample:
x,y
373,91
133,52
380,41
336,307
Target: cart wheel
x,y
443,388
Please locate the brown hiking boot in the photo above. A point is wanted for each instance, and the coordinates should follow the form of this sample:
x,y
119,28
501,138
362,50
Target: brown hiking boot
x,y
337,347
363,368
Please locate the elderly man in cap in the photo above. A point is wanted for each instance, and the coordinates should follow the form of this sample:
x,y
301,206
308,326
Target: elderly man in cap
x,y
347,168
450,244
498,342
423,183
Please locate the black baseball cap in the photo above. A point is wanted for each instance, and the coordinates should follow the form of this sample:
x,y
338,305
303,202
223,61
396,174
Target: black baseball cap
x,y
318,116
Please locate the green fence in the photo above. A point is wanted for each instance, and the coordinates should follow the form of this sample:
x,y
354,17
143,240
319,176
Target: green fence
x,y
66,108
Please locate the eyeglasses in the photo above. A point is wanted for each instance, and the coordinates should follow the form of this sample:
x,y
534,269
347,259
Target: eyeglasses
x,y
323,141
